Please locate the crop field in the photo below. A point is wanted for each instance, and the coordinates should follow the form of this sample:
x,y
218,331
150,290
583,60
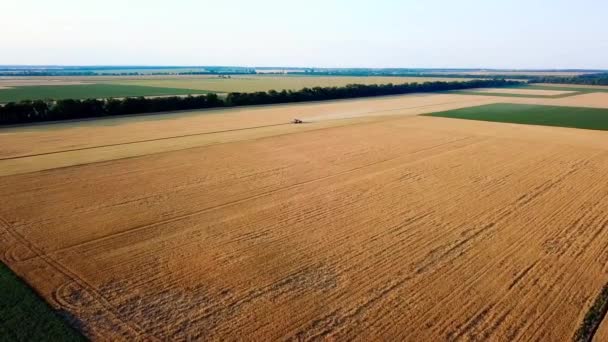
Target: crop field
x,y
524,91
546,91
570,87
84,91
251,83
367,221
575,117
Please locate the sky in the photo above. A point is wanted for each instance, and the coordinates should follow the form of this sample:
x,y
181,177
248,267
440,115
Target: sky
x,y
537,34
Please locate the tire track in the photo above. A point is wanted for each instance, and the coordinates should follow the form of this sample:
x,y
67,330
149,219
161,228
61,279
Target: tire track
x,y
509,212
229,130
252,197
98,297
140,141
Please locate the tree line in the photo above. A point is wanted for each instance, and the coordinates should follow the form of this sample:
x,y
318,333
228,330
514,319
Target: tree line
x,y
355,90
586,79
49,110
46,110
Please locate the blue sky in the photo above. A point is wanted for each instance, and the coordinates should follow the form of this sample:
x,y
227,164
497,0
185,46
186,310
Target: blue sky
x,y
340,33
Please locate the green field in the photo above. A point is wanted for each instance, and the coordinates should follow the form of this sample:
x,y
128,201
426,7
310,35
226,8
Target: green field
x,y
84,91
26,317
574,117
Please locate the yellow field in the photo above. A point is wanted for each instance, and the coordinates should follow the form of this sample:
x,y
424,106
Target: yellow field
x,y
599,87
366,222
236,83
252,83
6,83
17,81
523,91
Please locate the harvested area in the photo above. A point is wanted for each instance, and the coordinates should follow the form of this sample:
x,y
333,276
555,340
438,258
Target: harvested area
x,y
388,225
523,91
39,147
588,100
579,86
575,117
516,72
84,91
33,81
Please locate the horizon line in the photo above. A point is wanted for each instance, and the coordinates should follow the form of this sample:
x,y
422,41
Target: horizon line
x,y
285,67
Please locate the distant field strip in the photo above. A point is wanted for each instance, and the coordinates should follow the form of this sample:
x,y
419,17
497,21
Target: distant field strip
x,y
576,87
573,117
524,91
84,91
251,83
516,92
539,91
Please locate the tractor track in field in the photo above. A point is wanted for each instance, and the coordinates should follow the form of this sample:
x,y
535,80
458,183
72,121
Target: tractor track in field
x,y
140,141
249,198
74,278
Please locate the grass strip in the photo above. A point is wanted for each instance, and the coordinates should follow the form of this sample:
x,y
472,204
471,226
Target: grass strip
x,y
24,316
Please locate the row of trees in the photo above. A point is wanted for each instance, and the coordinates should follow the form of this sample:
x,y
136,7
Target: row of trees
x,y
39,110
589,79
355,90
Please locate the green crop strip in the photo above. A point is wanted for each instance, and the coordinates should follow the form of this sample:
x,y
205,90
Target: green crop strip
x,y
574,117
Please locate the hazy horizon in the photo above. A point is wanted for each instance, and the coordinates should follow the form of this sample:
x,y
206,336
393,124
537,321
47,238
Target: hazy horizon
x,y
469,34
286,67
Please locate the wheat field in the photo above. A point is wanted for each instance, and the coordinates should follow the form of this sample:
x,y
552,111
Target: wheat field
x,y
367,221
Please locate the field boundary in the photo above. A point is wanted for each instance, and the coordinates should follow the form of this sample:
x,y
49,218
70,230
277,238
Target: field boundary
x,y
593,317
64,271
47,322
